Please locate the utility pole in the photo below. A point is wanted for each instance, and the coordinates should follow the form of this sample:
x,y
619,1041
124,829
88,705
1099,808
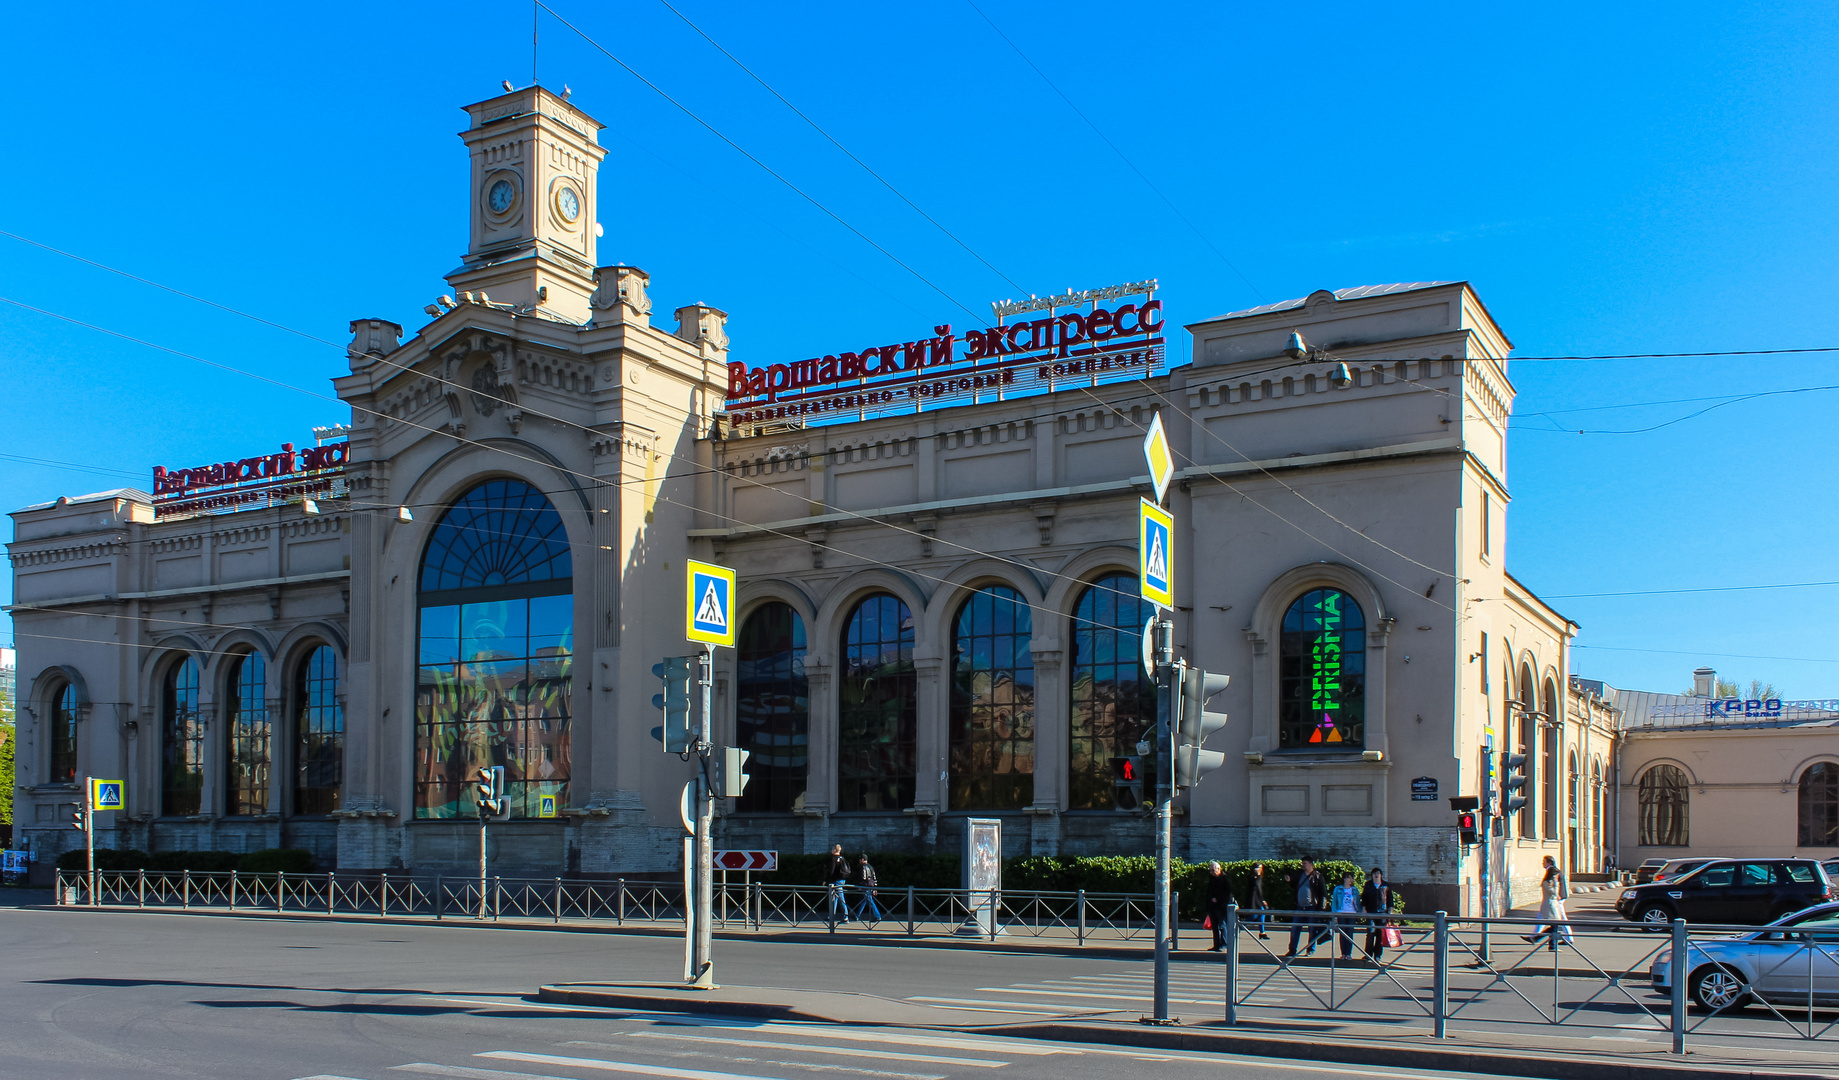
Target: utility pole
x,y
702,959
490,797
1168,708
85,819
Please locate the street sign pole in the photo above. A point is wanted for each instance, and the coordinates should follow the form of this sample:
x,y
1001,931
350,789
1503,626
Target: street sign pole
x,y
708,618
89,833
705,836
1169,683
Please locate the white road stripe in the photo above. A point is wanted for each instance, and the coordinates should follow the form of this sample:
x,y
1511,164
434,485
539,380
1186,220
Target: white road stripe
x,y
1041,991
617,1066
1004,1006
325,1076
470,1074
807,1066
994,1046
818,1048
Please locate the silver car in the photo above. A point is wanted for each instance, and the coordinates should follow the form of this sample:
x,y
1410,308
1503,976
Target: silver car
x,y
1792,961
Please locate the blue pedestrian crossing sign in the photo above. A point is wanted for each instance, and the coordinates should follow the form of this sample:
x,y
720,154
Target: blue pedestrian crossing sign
x,y
709,604
106,794
545,806
1156,555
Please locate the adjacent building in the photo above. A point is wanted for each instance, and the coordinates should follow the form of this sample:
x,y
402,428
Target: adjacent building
x,y
938,605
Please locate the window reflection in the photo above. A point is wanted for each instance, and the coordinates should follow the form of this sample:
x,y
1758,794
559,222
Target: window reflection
x,y
1322,673
64,735
877,713
772,708
1113,701
319,734
246,791
181,742
496,652
992,703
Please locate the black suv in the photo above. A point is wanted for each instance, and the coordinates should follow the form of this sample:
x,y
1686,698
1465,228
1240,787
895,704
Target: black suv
x,y
1746,891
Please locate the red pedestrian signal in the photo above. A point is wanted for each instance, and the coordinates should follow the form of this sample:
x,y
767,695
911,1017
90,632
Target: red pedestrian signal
x,y
1465,826
1126,783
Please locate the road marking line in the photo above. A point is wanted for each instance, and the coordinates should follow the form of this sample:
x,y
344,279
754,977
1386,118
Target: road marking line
x,y
832,1032
617,1066
1100,997
816,1048
1056,1008
325,1076
807,1066
470,1074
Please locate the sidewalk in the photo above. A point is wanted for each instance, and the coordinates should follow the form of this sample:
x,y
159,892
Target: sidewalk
x,y
1478,1052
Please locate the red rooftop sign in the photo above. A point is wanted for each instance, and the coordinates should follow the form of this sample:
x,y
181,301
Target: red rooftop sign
x,y
252,482
940,369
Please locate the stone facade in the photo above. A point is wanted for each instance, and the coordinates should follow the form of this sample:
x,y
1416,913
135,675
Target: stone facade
x,y
1371,465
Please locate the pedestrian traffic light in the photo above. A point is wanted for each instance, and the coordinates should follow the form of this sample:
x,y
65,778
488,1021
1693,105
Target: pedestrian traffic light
x,y
1191,761
1127,783
489,791
733,779
1465,827
1513,779
675,701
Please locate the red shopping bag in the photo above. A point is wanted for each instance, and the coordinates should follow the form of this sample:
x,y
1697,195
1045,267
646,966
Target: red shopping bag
x,y
1393,938
1207,923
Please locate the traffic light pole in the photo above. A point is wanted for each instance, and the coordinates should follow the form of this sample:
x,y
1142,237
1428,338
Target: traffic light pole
x,y
1169,684
702,958
89,834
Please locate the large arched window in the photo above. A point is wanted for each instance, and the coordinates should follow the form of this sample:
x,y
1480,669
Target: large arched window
x,y
319,734
1528,738
1113,701
877,717
181,741
1322,673
1819,806
246,728
772,712
1663,800
1571,818
496,653
1596,814
992,703
1549,731
63,734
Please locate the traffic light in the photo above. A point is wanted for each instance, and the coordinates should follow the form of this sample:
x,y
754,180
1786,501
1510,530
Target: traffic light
x,y
76,819
1513,779
1465,826
1127,783
675,701
1192,762
489,791
733,779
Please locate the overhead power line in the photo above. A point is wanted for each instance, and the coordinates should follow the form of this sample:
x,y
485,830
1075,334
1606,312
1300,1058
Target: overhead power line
x,y
1707,589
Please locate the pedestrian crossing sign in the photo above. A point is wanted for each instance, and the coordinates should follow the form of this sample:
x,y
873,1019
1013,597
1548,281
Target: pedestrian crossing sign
x,y
106,794
545,806
709,604
1156,554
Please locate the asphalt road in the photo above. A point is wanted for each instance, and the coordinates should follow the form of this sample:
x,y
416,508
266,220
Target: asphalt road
x,y
104,995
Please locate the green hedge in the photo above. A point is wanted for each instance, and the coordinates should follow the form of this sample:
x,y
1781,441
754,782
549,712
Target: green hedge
x,y
266,861
1066,873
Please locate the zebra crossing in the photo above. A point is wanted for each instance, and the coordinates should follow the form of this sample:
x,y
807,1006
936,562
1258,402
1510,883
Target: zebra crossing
x,y
677,1047
1131,990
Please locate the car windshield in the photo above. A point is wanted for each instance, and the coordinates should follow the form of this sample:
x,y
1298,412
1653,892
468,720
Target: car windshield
x,y
1818,924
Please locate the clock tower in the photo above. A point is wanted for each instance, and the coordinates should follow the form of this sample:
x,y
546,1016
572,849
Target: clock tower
x,y
532,203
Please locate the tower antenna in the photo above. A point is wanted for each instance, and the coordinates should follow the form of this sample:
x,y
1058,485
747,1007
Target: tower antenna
x,y
536,14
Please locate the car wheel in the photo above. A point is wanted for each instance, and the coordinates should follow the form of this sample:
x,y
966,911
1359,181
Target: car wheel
x,y
1654,917
1718,989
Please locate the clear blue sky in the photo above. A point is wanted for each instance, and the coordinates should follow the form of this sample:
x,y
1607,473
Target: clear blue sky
x,y
1612,178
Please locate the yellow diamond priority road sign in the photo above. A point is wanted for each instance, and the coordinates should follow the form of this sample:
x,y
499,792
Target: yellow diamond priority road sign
x,y
1161,460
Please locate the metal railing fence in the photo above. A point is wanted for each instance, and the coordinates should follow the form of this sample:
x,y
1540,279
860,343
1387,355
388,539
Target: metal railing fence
x,y
1076,916
1743,983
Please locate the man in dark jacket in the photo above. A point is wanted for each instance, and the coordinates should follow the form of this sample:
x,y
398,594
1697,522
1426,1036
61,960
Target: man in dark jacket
x,y
1219,895
838,879
1310,894
1256,901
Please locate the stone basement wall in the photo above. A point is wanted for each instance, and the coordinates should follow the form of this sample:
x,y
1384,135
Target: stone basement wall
x,y
1421,863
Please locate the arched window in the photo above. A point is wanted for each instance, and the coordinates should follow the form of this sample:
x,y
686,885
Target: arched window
x,y
1114,702
1663,800
246,727
63,734
497,652
992,703
1548,738
181,741
1596,814
1529,745
1571,818
877,717
1820,806
1322,673
773,709
319,734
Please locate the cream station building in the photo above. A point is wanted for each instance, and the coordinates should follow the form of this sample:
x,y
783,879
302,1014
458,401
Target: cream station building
x,y
936,548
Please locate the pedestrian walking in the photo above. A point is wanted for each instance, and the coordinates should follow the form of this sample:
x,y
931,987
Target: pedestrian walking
x,y
1344,905
1310,896
1219,896
870,886
1256,900
1553,892
1376,899
837,877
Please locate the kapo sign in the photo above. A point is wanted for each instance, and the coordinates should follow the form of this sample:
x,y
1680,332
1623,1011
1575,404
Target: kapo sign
x,y
942,369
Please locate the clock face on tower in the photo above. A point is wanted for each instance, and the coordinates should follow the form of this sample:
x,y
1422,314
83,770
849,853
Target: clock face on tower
x,y
568,203
501,195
